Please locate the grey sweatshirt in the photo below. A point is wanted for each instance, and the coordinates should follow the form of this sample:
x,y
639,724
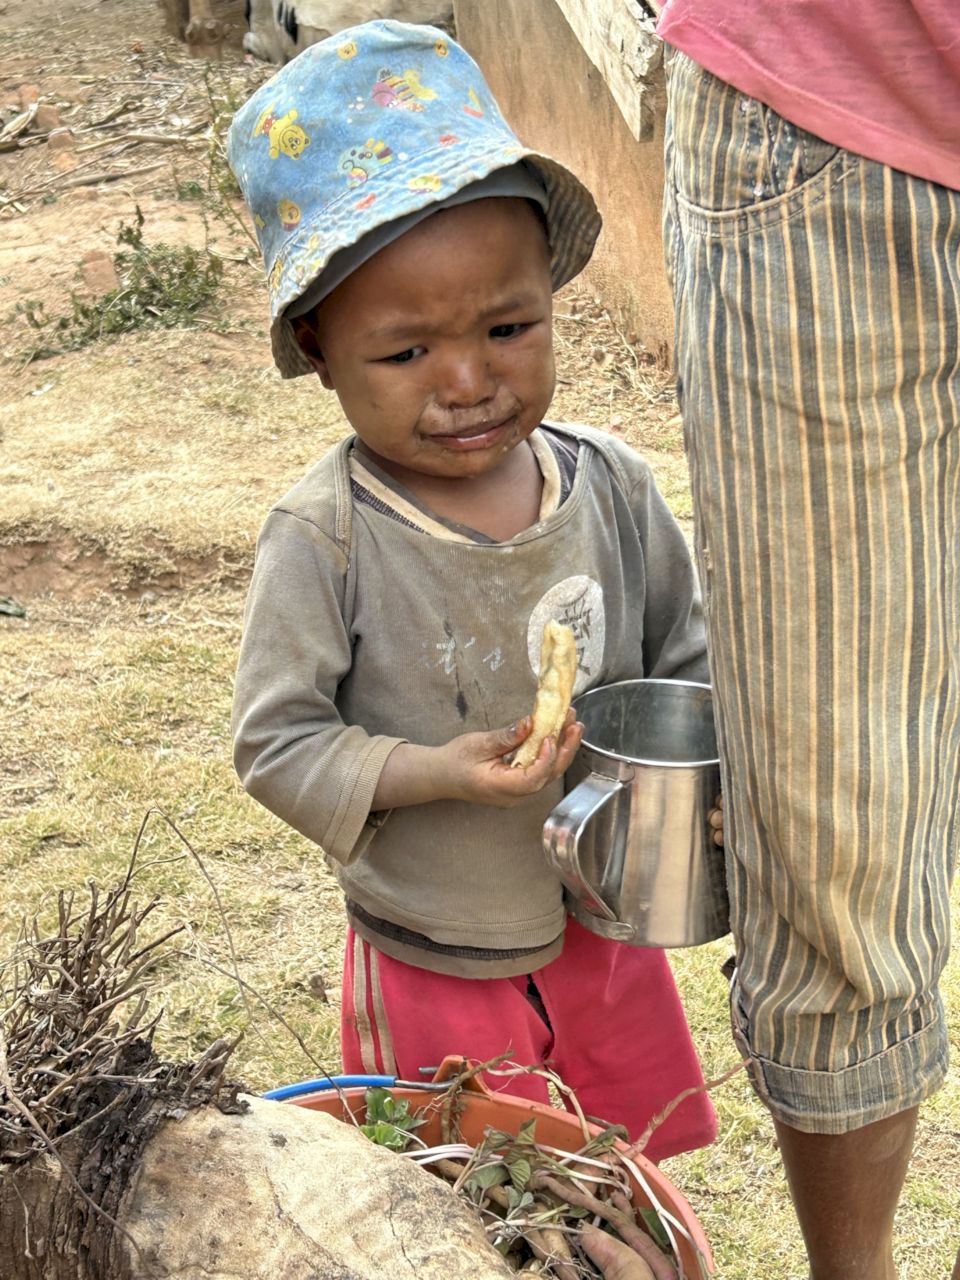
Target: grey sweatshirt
x,y
362,632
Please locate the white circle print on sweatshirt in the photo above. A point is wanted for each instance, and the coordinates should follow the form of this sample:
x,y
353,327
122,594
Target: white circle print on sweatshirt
x,y
576,602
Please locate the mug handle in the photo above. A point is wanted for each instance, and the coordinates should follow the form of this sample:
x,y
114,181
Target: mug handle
x,y
562,831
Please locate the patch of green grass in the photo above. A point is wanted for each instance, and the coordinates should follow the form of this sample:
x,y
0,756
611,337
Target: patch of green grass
x,y
114,706
138,718
111,714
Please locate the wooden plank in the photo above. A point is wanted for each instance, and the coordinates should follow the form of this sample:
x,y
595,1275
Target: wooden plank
x,y
618,37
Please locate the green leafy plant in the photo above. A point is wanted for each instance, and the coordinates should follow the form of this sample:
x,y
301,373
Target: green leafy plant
x,y
162,286
389,1122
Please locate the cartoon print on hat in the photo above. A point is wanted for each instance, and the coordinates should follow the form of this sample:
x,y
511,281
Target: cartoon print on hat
x,y
373,127
404,92
358,163
473,107
283,134
288,213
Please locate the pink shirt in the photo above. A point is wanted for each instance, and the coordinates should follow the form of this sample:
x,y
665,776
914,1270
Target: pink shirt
x,y
879,77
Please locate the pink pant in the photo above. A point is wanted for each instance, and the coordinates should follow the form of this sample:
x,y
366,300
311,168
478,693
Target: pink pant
x,y
617,1033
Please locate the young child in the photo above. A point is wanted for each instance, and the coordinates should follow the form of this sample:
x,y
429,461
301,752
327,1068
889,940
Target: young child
x,y
393,626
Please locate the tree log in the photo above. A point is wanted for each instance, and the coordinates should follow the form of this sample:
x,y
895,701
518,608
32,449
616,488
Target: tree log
x,y
117,1165
275,1193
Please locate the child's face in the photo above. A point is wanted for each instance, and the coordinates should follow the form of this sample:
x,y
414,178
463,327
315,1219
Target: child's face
x,y
440,347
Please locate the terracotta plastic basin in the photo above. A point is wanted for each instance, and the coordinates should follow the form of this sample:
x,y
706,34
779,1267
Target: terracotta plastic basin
x,y
482,1110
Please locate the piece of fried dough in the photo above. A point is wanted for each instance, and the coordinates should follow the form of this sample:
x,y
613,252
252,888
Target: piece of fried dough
x,y
558,670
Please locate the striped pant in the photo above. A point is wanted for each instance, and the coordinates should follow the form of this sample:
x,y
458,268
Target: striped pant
x,y
818,335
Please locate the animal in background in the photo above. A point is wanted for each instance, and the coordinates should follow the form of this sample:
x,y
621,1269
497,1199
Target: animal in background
x,y
280,29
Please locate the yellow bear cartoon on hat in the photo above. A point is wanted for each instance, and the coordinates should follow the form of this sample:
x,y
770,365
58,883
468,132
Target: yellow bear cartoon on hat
x,y
289,213
283,134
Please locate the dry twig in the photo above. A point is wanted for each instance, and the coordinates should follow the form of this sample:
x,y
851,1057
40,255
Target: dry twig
x,y
76,1052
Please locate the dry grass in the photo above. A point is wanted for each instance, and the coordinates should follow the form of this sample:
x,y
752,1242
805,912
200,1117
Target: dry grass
x,y
143,437
737,1185
114,703
133,479
110,707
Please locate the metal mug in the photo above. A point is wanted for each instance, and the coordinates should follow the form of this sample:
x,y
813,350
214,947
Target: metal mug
x,y
631,840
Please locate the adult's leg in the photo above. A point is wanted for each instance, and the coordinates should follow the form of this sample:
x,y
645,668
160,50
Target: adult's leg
x,y
818,321
845,1189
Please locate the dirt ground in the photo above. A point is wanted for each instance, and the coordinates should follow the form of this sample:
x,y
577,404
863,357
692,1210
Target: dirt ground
x,y
134,475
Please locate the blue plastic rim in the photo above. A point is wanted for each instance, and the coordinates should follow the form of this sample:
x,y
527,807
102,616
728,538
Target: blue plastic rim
x,y
287,1091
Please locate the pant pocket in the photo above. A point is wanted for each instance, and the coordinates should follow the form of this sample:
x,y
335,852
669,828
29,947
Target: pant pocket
x,y
732,152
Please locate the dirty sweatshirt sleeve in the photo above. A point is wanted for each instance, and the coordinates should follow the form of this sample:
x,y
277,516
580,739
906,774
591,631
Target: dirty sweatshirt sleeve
x,y
674,639
292,751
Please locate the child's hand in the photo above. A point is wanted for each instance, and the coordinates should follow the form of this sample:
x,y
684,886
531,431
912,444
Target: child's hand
x,y
474,766
715,818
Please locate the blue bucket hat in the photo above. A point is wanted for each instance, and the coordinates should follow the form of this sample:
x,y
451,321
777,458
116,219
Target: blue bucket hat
x,y
365,134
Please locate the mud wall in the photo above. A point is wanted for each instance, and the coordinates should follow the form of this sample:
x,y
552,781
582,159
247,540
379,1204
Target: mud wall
x,y
558,102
